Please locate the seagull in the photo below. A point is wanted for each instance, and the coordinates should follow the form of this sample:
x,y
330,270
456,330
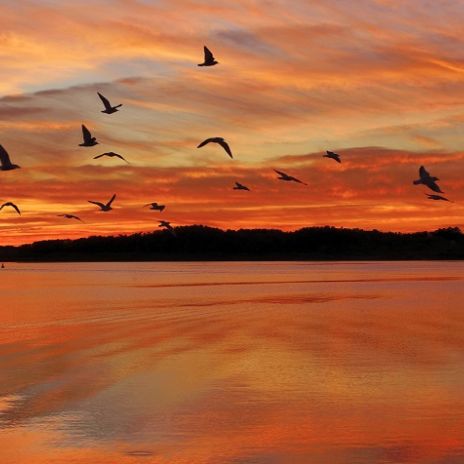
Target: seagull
x,y
12,205
239,186
334,156
104,207
6,164
427,180
89,141
155,206
111,154
70,216
108,108
436,197
209,58
283,176
218,140
167,225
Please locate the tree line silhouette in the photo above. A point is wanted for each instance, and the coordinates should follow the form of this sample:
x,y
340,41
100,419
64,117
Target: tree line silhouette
x,y
207,243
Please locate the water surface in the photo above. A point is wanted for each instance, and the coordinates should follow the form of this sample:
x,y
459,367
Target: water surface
x,y
232,363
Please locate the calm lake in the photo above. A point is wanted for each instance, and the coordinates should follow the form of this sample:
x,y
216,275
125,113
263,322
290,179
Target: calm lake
x,y
232,363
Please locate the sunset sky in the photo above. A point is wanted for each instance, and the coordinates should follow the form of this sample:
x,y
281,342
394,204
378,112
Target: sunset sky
x,y
379,81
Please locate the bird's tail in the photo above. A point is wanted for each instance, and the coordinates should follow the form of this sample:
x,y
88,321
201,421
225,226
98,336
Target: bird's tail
x,y
161,208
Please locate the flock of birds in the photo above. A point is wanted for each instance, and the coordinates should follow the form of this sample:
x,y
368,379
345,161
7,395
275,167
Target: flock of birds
x,y
209,60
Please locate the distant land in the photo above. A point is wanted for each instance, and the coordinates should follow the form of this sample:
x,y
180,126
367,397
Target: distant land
x,y
197,243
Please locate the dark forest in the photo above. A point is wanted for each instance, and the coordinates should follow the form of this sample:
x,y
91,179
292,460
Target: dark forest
x,y
206,243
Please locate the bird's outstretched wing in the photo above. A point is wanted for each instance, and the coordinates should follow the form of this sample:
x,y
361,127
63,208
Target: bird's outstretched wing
x,y
423,172
101,205
436,197
202,144
280,173
4,157
208,55
105,101
297,180
16,208
111,201
86,134
434,186
226,147
99,156
120,157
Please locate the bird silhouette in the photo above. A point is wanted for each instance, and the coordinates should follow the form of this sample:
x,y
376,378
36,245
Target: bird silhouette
x,y
436,197
218,140
155,206
167,225
426,179
89,141
286,177
102,206
239,186
332,155
11,205
111,154
109,109
70,216
6,164
209,58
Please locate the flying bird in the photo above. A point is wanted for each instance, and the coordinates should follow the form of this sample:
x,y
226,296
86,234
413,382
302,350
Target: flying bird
x,y
332,155
239,186
286,177
89,141
111,154
436,197
12,205
218,140
167,225
155,206
109,109
426,179
70,216
6,164
209,58
102,206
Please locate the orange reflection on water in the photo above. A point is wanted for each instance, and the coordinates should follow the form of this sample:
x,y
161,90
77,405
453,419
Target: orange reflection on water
x,y
232,363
